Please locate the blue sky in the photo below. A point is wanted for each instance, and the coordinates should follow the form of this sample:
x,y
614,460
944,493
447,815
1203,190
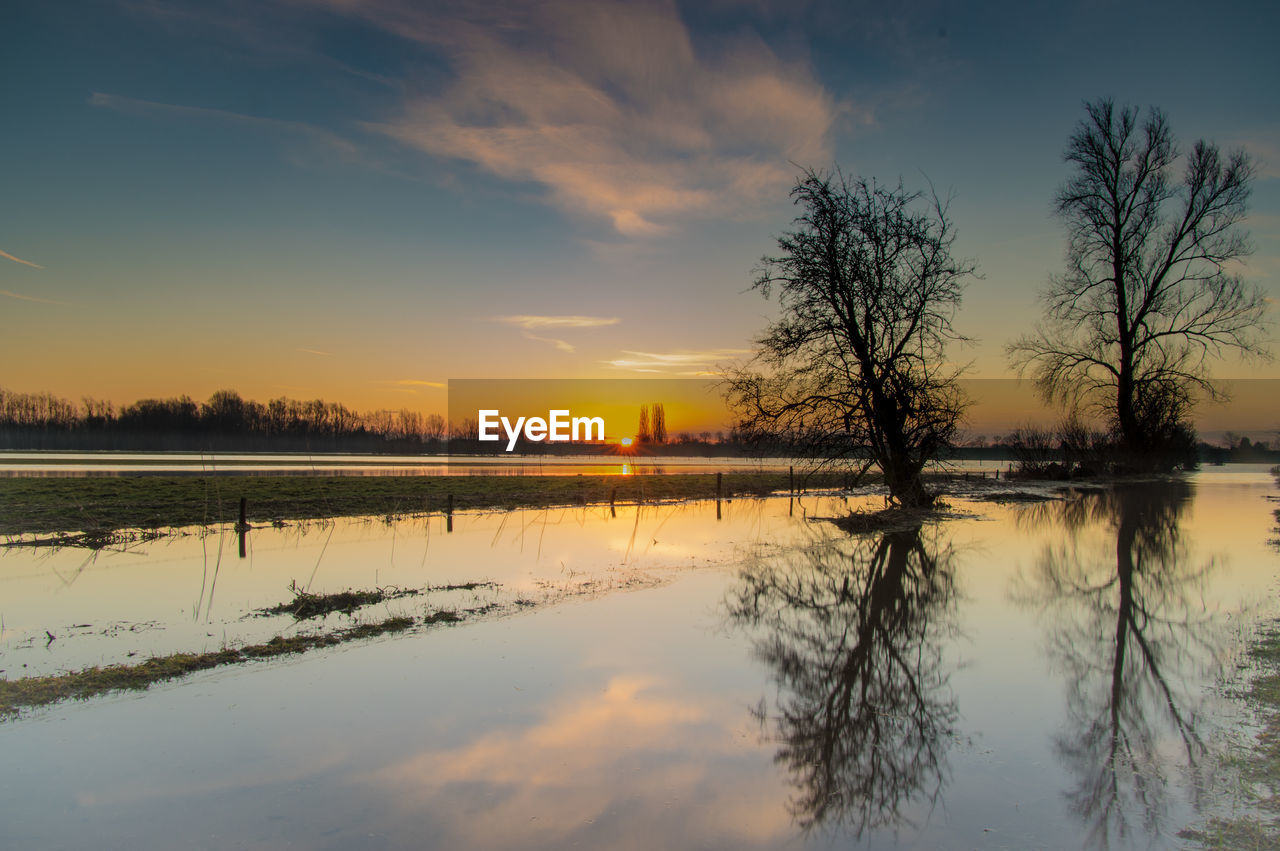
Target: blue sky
x,y
358,201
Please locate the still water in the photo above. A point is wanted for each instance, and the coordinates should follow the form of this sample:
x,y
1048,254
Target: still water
x,y
616,463
1020,675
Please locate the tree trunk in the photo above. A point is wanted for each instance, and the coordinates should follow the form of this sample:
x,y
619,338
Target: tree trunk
x,y
1126,416
905,484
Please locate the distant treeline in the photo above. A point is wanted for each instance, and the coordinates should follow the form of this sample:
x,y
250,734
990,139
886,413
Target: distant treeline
x,y
228,422
1073,450
225,422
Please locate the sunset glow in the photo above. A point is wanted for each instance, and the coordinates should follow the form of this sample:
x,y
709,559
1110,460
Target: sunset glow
x,y
639,423
357,202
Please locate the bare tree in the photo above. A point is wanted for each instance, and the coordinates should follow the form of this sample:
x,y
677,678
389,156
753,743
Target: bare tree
x,y
1150,294
434,428
659,422
854,371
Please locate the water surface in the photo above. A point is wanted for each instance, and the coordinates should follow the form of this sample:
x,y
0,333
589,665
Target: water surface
x,y
615,463
1018,675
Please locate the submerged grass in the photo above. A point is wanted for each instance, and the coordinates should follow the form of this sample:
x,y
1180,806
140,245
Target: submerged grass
x,y
88,511
306,605
890,519
30,692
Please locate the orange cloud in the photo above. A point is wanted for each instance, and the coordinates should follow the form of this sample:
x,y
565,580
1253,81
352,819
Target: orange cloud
x,y
22,297
613,111
532,323
544,782
413,382
676,363
9,256
562,345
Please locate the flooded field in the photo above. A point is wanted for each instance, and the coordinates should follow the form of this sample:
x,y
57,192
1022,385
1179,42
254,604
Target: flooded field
x,y
329,464
1030,674
79,464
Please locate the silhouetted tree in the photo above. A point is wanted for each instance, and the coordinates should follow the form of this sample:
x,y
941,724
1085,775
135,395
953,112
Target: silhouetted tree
x,y
225,421
98,414
855,369
161,415
644,433
1150,294
658,417
852,628
433,427
36,411
466,430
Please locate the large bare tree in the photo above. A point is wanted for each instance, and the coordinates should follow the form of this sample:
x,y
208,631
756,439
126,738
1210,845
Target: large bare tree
x,y
854,370
1151,293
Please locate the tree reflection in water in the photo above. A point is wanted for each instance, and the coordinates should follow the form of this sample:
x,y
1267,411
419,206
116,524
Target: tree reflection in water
x,y
853,628
1129,630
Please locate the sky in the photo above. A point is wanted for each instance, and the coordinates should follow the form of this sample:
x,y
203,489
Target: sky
x,y
358,201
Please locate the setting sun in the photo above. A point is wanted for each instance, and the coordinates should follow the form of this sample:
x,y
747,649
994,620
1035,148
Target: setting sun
x,y
626,441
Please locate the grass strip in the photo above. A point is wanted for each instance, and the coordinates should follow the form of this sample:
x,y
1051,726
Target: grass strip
x,y
306,605
92,507
29,692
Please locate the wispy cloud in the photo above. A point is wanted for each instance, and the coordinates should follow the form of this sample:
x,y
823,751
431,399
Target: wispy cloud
x,y
9,256
317,137
530,323
315,352
22,297
412,382
533,323
609,106
266,29
700,362
562,345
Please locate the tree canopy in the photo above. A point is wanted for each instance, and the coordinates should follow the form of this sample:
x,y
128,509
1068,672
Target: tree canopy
x,y
855,369
1152,291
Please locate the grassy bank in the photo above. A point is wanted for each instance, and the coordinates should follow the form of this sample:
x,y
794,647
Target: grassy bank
x,y
1256,763
101,505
